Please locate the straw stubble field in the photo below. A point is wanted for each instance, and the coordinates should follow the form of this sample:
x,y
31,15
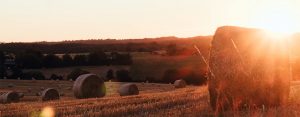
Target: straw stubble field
x,y
153,100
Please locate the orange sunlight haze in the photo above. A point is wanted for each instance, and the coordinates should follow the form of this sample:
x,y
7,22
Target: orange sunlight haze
x,y
57,20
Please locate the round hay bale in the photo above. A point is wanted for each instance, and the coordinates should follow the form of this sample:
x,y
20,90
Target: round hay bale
x,y
180,84
49,94
21,95
89,86
247,68
9,97
128,89
10,85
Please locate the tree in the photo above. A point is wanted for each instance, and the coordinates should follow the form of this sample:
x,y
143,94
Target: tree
x,y
56,77
113,58
195,78
51,61
80,60
2,70
15,73
97,58
170,75
122,59
30,59
129,47
33,74
110,74
123,75
172,49
141,49
154,46
67,60
76,73
2,58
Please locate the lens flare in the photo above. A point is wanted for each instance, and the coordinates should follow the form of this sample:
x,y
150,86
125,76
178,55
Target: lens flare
x,y
47,112
278,17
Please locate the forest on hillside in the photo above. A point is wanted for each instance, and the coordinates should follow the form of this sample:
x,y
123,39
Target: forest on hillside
x,y
108,45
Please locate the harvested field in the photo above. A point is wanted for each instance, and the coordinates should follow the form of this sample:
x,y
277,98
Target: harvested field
x,y
154,100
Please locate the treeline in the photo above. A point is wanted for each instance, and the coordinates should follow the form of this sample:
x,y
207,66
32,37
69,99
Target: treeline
x,y
2,68
33,59
107,45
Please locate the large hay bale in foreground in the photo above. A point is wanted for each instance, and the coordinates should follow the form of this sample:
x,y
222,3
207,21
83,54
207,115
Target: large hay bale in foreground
x,y
180,84
49,94
128,89
9,97
248,68
89,86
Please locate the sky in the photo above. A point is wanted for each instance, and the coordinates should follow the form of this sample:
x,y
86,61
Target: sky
x,y
57,20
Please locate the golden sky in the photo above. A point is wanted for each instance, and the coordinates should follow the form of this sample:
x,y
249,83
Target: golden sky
x,y
56,20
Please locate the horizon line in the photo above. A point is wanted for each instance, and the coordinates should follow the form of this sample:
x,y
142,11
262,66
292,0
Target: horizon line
x,y
104,39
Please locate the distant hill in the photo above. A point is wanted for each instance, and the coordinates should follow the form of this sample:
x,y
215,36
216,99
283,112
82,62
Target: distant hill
x,y
108,45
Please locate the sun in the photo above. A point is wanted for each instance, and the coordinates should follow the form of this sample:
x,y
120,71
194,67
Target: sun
x,y
278,18
276,35
276,22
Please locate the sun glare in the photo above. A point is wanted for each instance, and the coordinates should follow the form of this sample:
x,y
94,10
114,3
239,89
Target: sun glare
x,y
277,23
278,18
277,35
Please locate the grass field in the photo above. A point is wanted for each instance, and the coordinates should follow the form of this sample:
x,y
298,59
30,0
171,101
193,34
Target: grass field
x,y
154,100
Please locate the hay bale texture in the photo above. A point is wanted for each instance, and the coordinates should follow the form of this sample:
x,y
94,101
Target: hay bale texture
x,y
128,89
89,86
49,94
180,84
9,97
248,68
